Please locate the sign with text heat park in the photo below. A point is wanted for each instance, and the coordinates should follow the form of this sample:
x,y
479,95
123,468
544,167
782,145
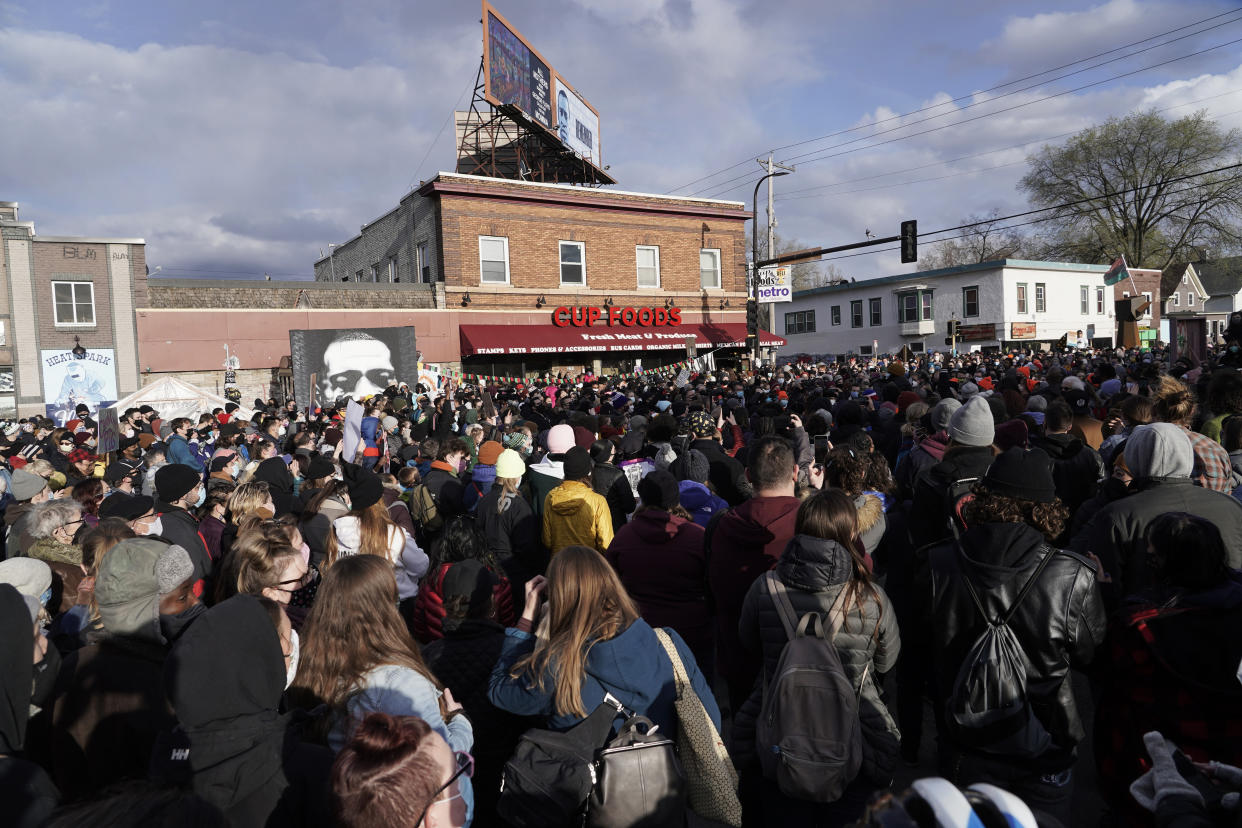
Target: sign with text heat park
x,y
775,284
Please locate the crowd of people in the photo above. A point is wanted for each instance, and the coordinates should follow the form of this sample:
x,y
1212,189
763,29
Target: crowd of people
x,y
243,622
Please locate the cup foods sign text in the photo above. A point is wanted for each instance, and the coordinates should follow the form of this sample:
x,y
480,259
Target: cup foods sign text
x,y
613,316
775,284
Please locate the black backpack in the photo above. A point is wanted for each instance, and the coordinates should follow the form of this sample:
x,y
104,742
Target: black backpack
x,y
988,708
559,779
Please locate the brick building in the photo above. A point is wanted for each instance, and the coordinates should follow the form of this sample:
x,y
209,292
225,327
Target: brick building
x,y
1147,283
62,293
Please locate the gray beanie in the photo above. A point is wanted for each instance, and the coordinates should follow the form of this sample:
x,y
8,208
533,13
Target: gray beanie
x,y
173,569
968,390
693,465
1159,450
26,485
972,424
942,412
1037,403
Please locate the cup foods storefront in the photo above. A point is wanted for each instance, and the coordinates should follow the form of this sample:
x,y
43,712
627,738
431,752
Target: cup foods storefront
x,y
608,339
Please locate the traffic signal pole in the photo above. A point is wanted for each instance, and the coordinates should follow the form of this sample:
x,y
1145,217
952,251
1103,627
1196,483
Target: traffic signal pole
x,y
909,239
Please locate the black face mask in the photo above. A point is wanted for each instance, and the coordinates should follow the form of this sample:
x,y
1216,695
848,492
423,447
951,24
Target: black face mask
x,y
174,626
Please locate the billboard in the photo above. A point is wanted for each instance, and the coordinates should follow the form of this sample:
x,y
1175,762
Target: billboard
x,y
577,122
68,381
353,362
514,73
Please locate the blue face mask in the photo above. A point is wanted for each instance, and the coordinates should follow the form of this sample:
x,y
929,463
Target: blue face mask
x,y
202,496
784,403
741,394
45,597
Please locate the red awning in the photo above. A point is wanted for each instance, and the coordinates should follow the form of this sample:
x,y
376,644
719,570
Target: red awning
x,y
495,340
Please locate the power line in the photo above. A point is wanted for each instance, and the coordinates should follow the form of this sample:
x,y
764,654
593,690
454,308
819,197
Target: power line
x,y
966,96
792,195
718,192
436,140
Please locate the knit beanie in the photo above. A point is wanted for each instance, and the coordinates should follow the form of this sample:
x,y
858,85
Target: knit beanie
x,y
561,438
972,424
578,463
174,480
489,451
173,569
365,487
693,465
659,490
1022,474
942,412
24,485
509,464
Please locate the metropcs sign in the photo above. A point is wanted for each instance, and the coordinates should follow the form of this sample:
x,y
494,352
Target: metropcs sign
x,y
613,316
775,284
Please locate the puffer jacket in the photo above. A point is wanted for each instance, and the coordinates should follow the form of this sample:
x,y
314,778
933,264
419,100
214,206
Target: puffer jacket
x,y
814,572
1059,624
575,515
427,623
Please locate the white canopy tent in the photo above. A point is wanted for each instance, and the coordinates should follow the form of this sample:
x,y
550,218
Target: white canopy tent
x,y
174,398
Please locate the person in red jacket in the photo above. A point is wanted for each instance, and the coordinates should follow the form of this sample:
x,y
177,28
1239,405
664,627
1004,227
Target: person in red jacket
x,y
461,541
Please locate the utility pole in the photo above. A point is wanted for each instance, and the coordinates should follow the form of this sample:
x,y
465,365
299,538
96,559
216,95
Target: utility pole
x,y
773,170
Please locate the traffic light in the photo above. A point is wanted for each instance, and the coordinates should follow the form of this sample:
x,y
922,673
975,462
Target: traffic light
x,y
948,340
953,327
752,317
909,241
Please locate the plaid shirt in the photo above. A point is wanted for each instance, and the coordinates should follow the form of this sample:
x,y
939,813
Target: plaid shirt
x,y
1212,469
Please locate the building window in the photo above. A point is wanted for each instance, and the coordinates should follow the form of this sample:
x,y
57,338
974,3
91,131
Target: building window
x,y
856,313
836,314
1190,299
913,305
1147,299
422,267
970,301
648,266
1084,293
357,275
876,314
1176,300
1185,278
917,347
375,272
1021,298
392,268
493,260
1041,298
1125,294
800,322
1099,301
866,350
709,268
573,263
75,303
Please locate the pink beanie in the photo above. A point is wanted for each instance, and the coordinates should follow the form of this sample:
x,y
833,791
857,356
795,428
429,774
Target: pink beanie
x,y
561,439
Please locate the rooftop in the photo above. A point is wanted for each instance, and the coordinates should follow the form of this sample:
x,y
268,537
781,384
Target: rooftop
x,y
951,271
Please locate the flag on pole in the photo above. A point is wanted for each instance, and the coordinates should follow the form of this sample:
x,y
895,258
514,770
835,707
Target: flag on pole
x,y
1117,272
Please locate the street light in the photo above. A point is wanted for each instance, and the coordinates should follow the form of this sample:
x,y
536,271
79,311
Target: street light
x,y
753,277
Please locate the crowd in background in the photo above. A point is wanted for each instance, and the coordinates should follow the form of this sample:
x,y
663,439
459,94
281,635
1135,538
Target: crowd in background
x,y
240,622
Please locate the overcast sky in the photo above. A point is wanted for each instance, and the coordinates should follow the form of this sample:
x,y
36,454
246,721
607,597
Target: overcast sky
x,y
240,138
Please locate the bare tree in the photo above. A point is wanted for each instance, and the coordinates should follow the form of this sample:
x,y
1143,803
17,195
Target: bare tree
x,y
988,241
1144,206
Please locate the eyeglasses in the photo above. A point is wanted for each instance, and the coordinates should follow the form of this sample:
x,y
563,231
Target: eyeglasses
x,y
71,523
296,583
465,764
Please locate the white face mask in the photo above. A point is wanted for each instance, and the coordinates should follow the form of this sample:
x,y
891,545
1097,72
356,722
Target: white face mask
x,y
295,652
156,527
282,431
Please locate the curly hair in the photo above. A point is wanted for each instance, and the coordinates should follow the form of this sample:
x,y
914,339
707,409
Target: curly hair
x,y
1049,519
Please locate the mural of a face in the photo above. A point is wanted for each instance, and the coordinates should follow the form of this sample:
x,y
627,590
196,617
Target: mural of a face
x,y
356,366
562,115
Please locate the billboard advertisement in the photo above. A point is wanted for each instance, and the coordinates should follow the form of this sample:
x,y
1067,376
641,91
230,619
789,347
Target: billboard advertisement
x,y
69,381
577,123
514,73
353,362
774,284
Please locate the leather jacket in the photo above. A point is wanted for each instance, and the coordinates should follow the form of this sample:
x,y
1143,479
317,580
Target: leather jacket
x,y
1059,624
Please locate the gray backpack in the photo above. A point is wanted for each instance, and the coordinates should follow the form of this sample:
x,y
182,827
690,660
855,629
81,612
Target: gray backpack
x,y
808,735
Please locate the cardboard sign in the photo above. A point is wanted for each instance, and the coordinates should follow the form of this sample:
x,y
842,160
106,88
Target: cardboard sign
x,y
109,433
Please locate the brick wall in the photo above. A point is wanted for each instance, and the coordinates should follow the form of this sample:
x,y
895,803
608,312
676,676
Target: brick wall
x,y
1147,281
195,293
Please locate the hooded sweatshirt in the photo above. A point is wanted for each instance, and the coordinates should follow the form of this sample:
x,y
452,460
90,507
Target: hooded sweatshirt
x,y
409,562
226,677
699,501
275,473
27,795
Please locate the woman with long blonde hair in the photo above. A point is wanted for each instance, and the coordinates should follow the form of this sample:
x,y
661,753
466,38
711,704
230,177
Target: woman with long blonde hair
x,y
595,644
368,529
357,658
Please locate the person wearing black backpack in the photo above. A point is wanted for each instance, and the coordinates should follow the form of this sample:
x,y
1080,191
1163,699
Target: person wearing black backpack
x,y
822,571
938,489
1006,617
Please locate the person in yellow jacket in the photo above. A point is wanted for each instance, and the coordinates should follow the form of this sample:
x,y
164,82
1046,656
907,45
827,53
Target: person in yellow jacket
x,y
572,512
